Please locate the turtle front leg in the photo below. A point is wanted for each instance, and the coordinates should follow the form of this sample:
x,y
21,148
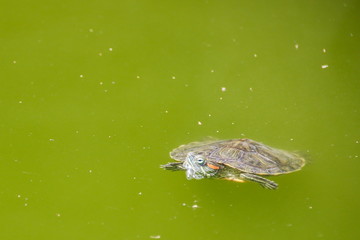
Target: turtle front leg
x,y
174,166
266,183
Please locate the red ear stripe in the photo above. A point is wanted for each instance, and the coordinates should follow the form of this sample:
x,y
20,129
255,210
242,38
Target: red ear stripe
x,y
212,166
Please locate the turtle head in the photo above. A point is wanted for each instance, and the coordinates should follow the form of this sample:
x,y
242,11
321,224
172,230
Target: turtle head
x,y
197,167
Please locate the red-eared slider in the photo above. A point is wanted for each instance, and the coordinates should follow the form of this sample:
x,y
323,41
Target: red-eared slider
x,y
236,160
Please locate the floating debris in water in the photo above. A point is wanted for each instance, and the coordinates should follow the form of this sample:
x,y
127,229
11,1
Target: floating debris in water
x,y
195,206
155,237
296,46
223,89
324,50
199,123
324,66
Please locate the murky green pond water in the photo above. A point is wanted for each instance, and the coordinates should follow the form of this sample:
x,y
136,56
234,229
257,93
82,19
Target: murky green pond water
x,y
94,95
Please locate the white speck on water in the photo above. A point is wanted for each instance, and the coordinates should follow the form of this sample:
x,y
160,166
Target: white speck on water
x,y
251,89
51,140
255,55
137,77
310,207
221,98
19,196
195,206
91,30
20,101
209,115
25,204
101,83
296,46
166,111
223,89
106,90
356,141
113,82
199,123
100,54
183,204
291,139
232,123
155,236
110,49
14,62
173,77
324,50
140,193
58,214
90,171
217,131
212,70
324,66
81,76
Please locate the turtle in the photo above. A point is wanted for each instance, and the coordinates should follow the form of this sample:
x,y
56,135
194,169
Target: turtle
x,y
238,160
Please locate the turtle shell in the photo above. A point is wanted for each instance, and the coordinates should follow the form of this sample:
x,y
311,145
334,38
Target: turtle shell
x,y
245,155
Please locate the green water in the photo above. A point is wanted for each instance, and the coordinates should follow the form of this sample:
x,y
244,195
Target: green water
x,y
94,95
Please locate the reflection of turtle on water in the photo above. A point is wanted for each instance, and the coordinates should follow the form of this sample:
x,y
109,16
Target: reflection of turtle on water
x,y
236,160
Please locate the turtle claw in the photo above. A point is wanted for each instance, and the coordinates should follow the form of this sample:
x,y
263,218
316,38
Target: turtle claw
x,y
264,182
173,166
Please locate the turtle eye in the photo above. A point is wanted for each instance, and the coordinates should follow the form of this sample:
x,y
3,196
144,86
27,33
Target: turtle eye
x,y
201,161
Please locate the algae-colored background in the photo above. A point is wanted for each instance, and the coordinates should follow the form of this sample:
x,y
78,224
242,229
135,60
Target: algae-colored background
x,y
94,95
